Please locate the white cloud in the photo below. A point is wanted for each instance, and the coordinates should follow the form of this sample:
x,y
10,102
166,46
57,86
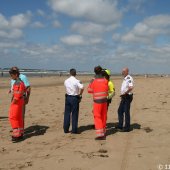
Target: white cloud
x,y
73,40
13,34
4,22
99,11
12,28
19,21
40,12
87,28
37,24
116,37
56,24
149,29
135,5
80,40
91,29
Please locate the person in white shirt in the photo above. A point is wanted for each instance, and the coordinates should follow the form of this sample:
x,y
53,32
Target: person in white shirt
x,y
126,99
74,91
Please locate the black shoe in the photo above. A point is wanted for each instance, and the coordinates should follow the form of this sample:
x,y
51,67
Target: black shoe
x,y
66,131
118,128
126,130
101,138
75,133
17,139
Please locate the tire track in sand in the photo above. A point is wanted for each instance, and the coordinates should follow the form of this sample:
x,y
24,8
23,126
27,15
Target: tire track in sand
x,y
129,136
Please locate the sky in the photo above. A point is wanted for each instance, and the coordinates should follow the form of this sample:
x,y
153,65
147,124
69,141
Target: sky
x,y
81,34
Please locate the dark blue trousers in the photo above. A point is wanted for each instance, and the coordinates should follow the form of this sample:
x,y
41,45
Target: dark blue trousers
x,y
124,107
71,112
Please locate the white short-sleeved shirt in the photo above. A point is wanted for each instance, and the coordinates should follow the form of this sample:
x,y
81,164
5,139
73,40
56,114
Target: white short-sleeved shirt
x,y
73,86
127,82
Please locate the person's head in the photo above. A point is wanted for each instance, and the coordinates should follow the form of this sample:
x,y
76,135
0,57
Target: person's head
x,y
98,70
107,74
125,71
14,73
73,72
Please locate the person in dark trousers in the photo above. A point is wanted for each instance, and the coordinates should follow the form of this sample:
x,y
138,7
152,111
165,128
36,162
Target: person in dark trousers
x,y
74,91
126,99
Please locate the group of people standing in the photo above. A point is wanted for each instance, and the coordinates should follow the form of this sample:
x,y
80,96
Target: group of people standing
x,y
102,89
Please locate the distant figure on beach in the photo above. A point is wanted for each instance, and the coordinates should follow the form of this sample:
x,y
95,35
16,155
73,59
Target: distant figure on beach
x,y
99,88
126,99
28,88
73,96
16,107
111,92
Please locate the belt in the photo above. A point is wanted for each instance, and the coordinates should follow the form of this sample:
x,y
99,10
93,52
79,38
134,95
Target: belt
x,y
71,95
126,96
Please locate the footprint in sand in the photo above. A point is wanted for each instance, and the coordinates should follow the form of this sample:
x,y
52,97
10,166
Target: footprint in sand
x,y
76,169
60,160
147,129
102,151
139,155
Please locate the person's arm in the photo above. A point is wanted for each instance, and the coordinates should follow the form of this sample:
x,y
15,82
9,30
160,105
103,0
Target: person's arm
x,y
81,91
28,87
11,86
28,92
111,90
90,87
129,90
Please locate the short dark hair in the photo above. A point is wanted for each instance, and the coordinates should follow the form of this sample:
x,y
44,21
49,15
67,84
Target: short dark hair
x,y
98,69
11,71
73,72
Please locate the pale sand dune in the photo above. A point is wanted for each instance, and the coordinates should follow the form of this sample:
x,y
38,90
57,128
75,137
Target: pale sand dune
x,y
46,147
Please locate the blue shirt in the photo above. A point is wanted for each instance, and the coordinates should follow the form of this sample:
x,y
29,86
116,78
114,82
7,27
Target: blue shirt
x,y
23,78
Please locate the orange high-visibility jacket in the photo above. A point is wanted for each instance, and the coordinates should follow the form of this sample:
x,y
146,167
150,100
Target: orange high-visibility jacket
x,y
99,88
15,113
18,89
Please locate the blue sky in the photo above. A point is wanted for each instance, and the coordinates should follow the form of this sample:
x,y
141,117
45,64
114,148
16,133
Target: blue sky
x,y
62,34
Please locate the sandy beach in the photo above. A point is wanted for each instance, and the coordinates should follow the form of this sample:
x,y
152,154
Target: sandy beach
x,y
46,147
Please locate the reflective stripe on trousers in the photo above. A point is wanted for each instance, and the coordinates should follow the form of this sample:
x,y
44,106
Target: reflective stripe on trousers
x,y
100,132
17,132
100,117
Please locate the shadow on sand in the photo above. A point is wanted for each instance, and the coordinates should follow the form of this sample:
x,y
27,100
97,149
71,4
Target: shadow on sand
x,y
35,130
3,117
85,128
111,127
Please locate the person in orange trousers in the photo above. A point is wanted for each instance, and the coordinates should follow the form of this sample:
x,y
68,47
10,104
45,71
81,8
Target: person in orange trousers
x,y
99,88
16,107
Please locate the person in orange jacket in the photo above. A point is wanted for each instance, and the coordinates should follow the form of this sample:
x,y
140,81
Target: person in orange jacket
x,y
16,107
99,88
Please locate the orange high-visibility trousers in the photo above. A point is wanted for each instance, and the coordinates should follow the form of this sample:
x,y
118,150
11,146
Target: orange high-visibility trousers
x,y
16,117
100,117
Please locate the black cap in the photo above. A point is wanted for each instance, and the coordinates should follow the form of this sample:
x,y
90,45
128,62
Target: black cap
x,y
98,69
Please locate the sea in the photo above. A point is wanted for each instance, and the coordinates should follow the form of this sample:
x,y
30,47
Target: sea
x,y
42,72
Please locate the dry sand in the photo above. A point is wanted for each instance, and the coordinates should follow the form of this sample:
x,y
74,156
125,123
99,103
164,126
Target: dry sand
x,y
46,147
